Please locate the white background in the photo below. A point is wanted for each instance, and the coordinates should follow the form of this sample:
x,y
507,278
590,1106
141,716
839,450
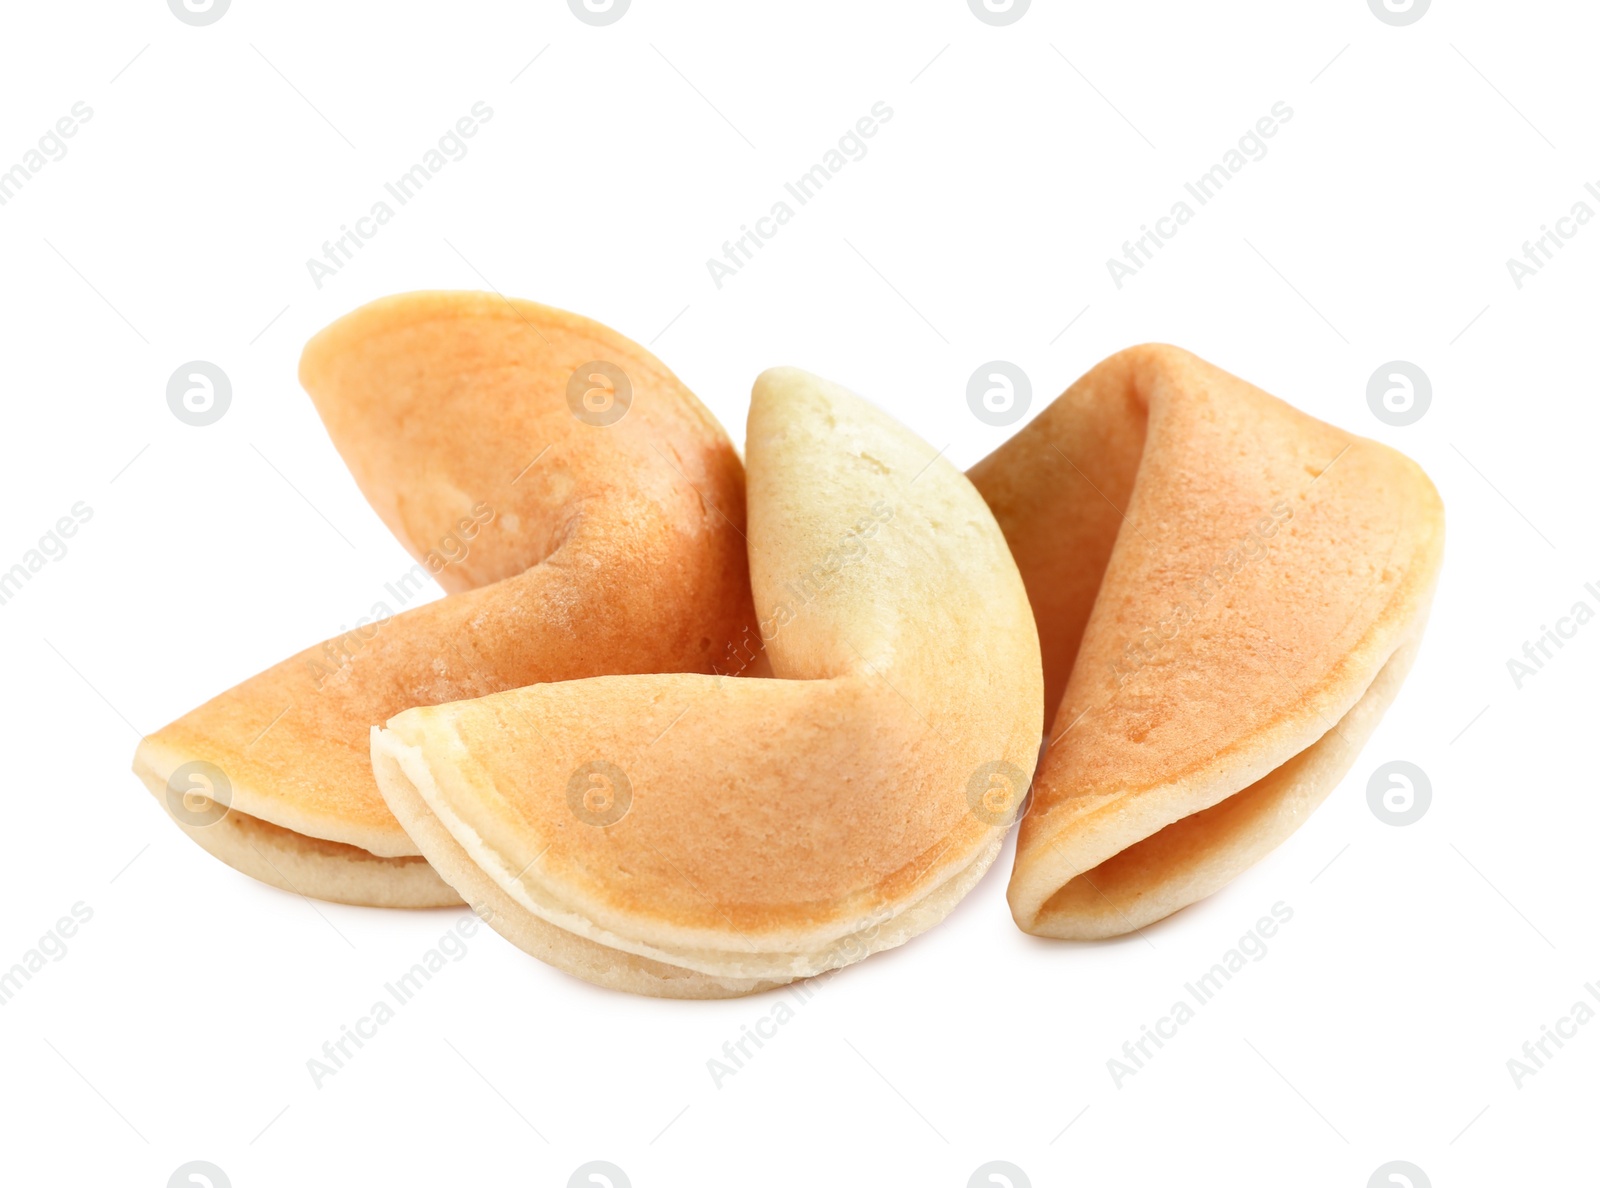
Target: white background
x,y
1018,159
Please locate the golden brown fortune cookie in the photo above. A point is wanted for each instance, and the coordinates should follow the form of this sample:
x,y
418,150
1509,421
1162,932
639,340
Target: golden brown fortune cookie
x,y
586,513
1229,594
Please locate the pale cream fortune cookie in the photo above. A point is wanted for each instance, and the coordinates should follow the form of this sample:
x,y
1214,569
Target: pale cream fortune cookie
x,y
698,836
1229,594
